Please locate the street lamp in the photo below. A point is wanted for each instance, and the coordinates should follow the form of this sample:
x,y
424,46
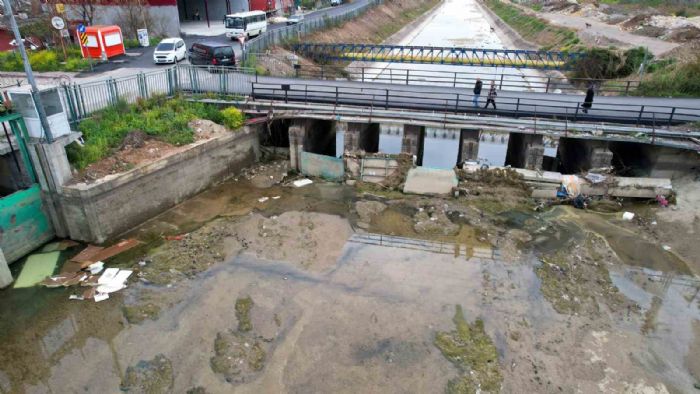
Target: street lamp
x,y
28,69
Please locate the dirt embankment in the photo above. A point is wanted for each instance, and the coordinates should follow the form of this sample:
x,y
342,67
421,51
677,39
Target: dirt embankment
x,y
377,24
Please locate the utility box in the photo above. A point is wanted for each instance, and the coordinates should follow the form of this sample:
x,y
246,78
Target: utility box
x,y
23,103
102,42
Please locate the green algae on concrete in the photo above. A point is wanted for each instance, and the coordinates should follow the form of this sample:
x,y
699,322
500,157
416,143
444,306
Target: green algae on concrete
x,y
136,314
237,356
149,376
243,306
472,351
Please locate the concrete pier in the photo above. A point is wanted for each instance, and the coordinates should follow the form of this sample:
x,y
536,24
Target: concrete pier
x,y
413,140
468,145
362,137
578,155
525,151
5,274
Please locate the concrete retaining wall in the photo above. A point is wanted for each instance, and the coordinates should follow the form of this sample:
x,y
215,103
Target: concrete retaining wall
x,y
101,211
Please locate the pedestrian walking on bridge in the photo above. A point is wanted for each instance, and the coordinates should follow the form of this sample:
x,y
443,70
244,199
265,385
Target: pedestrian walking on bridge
x,y
588,101
477,92
491,98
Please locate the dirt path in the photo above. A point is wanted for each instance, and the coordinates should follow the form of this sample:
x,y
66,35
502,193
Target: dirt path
x,y
603,34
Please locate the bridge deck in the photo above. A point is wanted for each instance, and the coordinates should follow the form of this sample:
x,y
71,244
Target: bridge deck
x,y
628,110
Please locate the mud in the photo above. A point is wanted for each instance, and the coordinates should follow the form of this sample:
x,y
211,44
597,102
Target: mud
x,y
285,296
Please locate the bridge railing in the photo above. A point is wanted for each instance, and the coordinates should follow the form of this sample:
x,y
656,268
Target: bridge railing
x,y
466,79
457,102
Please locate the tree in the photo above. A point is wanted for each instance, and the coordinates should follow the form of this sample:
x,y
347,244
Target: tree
x,y
87,9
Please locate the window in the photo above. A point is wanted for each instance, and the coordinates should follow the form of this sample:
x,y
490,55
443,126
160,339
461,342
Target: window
x,y
91,42
234,22
165,46
224,52
112,39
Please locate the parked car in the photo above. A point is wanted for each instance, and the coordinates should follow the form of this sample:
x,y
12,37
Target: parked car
x,y
170,50
336,2
294,19
212,54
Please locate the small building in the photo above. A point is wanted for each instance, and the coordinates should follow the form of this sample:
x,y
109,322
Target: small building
x,y
102,40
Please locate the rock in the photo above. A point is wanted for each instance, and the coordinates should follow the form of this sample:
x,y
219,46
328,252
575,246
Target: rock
x,y
368,209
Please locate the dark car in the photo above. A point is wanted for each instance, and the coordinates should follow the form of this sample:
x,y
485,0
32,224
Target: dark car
x,y
212,54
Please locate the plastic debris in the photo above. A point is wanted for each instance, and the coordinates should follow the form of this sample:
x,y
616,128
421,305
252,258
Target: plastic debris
x,y
666,247
627,216
263,199
112,281
276,197
37,267
572,185
662,201
101,297
76,297
302,182
96,268
595,178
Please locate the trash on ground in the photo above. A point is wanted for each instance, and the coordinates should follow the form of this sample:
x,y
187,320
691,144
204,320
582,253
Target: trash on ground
x,y
263,199
101,297
96,268
113,281
59,246
178,237
108,276
627,216
92,254
666,247
37,267
64,279
302,182
662,201
571,184
276,197
595,178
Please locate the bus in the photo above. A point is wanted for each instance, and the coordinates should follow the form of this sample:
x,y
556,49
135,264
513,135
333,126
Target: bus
x,y
246,24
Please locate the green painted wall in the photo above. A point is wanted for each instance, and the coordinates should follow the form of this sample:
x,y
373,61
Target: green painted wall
x,y
24,225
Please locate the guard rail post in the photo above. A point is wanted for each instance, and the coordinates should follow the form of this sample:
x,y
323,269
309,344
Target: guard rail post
x,y
549,80
457,104
407,71
670,117
517,107
578,105
336,96
386,103
639,118
627,87
500,84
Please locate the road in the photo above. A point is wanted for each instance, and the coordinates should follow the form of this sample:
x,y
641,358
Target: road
x,y
142,58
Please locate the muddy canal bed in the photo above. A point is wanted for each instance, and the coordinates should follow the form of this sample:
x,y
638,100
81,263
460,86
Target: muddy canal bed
x,y
328,288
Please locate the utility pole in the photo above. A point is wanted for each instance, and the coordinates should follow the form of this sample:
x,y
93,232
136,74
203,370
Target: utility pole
x,y
28,69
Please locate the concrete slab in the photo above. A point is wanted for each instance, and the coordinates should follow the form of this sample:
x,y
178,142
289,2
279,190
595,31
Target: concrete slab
x,y
430,181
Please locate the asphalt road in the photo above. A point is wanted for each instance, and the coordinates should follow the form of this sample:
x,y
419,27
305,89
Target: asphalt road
x,y
142,58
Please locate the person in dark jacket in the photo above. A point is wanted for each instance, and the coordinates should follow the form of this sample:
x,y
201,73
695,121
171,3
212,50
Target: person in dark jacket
x,y
491,98
477,92
588,101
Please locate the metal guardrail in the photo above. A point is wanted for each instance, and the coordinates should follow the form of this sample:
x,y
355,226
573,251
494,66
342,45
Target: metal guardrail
x,y
483,57
309,25
466,79
455,102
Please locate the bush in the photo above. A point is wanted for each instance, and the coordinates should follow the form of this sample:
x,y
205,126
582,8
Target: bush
x,y
76,64
681,79
232,117
159,117
131,43
43,60
11,61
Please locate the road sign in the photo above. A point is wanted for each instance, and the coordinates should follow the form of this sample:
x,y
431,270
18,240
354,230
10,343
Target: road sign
x,y
82,35
81,28
57,23
60,8
65,33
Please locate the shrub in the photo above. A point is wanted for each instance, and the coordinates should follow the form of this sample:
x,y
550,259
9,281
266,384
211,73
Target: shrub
x,y
43,60
679,79
76,64
159,117
233,118
11,61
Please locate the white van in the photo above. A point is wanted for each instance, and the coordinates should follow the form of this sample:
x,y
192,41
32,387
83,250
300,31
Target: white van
x,y
246,24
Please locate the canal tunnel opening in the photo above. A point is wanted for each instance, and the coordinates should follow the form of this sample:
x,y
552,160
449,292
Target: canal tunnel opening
x,y
369,138
277,134
320,137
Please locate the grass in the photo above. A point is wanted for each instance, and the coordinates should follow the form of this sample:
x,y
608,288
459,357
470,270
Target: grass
x,y
534,29
159,117
243,306
674,79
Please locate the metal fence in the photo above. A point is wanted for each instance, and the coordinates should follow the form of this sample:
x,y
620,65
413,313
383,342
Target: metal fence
x,y
82,100
293,33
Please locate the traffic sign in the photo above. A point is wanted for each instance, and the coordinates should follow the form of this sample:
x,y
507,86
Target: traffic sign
x,y
57,23
65,33
81,28
60,8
